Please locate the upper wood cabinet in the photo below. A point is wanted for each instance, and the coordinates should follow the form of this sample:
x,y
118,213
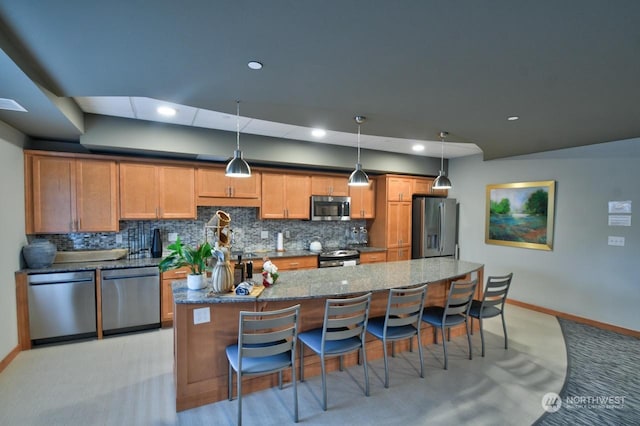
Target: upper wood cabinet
x,y
70,195
363,201
285,196
149,191
335,186
213,188
424,186
399,188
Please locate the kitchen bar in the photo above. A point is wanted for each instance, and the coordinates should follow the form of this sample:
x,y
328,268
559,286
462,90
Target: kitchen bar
x,y
204,324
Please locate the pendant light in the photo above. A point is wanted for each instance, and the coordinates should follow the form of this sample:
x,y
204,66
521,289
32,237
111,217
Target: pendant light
x,y
442,181
237,167
359,177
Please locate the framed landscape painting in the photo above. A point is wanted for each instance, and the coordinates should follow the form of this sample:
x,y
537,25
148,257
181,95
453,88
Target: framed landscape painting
x,y
520,214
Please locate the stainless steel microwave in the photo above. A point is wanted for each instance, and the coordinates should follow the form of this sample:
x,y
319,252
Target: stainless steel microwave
x,y
330,208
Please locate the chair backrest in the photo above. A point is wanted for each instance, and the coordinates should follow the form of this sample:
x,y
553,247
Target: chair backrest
x,y
460,297
268,333
495,293
345,318
404,307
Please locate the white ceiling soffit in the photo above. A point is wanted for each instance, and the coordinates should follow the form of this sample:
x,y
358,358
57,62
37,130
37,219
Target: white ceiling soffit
x,y
146,109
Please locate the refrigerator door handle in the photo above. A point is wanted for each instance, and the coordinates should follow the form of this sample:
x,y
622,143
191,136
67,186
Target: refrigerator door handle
x,y
441,224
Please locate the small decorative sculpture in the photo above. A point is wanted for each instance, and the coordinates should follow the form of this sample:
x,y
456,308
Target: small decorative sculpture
x,y
222,273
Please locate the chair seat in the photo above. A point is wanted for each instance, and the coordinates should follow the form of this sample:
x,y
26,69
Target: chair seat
x,y
254,365
433,315
313,339
487,312
376,327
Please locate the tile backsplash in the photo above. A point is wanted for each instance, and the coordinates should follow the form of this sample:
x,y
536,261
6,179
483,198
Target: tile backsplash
x,y
247,232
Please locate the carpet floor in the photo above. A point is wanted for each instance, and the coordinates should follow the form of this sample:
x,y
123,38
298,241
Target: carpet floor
x,y
602,382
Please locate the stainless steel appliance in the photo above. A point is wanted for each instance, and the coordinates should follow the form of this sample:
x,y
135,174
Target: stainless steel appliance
x,y
330,208
434,227
341,257
130,299
62,306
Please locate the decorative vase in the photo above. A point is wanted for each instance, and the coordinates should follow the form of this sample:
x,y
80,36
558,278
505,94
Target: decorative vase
x,y
222,277
195,281
40,253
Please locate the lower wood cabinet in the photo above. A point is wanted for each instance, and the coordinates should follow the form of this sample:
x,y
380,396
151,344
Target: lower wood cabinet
x,y
166,294
396,254
373,257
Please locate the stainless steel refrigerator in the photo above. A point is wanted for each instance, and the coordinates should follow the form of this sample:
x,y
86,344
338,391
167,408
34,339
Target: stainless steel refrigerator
x,y
434,227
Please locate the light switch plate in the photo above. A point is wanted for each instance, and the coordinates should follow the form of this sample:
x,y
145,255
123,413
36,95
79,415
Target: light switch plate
x,y
172,236
118,238
264,234
616,241
201,315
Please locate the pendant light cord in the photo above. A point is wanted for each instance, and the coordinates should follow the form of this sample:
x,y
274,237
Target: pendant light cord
x,y
441,153
238,125
358,143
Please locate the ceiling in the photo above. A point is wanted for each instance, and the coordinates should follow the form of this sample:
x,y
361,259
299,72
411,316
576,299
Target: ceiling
x,y
569,70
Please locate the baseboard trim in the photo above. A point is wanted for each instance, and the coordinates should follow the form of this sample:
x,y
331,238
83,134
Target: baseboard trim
x,y
10,357
582,320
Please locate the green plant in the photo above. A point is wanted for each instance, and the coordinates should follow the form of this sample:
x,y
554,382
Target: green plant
x,y
182,255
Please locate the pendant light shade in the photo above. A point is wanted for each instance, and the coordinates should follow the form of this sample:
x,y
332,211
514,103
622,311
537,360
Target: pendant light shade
x,y
358,177
442,181
237,167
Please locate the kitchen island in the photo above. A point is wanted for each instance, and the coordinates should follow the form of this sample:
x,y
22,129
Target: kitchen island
x,y
205,323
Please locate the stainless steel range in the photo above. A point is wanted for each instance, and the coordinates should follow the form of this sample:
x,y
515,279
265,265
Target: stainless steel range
x,y
340,257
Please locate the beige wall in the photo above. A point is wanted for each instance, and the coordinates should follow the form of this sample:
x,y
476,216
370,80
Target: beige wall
x,y
13,232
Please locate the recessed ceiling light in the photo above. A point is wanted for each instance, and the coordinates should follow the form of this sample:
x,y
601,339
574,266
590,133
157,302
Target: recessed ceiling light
x,y
318,133
513,118
418,147
255,65
166,111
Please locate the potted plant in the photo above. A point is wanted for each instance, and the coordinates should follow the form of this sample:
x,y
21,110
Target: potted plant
x,y
195,258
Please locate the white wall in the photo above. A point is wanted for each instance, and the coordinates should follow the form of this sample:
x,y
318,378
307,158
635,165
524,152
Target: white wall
x,y
582,275
13,232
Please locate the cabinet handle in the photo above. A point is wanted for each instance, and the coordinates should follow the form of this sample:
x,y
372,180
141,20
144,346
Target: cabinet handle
x,y
294,263
181,272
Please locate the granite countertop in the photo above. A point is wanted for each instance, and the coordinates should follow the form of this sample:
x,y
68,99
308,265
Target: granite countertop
x,y
349,280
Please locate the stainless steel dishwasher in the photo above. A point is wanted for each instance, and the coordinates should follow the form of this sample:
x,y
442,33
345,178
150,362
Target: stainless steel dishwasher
x,y
62,306
130,299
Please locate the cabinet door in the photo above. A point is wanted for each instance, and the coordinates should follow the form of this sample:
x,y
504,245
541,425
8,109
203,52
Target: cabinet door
x,y
53,194
138,191
246,187
373,257
424,186
298,197
363,201
177,193
295,263
166,293
96,196
273,192
212,183
329,185
399,188
398,224
396,254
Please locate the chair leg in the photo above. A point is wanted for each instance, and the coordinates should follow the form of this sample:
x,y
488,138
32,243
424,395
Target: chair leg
x,y
239,376
301,362
435,335
393,349
448,334
366,370
444,345
295,391
481,335
230,383
341,363
504,328
420,354
466,327
280,379
386,363
472,326
324,384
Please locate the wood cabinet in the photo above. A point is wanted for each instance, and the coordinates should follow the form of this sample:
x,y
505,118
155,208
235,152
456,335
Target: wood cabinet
x,y
399,188
285,196
396,254
398,224
213,188
149,191
373,257
329,185
166,293
424,186
363,201
70,195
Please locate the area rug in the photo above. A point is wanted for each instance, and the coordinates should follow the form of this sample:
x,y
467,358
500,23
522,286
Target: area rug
x,y
603,379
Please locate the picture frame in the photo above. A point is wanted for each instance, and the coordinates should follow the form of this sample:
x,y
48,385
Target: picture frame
x,y
521,214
